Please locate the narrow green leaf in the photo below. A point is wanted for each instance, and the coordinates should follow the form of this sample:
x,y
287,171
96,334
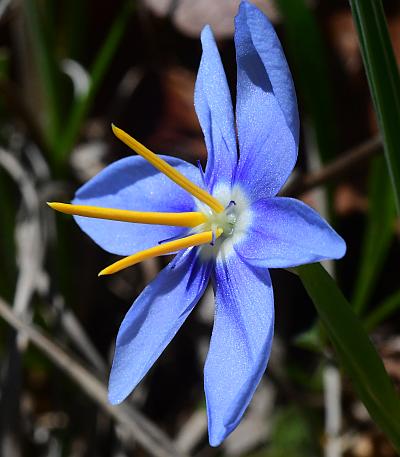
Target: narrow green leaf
x,y
354,350
383,77
102,62
307,52
48,70
383,311
378,234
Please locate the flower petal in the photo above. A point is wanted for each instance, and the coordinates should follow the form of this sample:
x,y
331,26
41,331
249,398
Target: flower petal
x,y
266,109
265,43
154,319
213,105
134,184
285,233
240,343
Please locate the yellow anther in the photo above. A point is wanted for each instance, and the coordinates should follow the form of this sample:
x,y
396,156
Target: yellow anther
x,y
189,219
165,248
169,171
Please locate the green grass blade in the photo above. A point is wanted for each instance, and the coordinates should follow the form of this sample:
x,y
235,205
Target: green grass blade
x,y
354,350
383,311
307,52
383,77
102,62
48,70
378,234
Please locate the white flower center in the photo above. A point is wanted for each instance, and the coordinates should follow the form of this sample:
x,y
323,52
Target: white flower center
x,y
234,221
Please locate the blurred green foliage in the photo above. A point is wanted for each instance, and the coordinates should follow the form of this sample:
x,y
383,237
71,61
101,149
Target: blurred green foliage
x,y
64,118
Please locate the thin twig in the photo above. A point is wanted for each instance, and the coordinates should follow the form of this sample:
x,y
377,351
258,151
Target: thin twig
x,y
336,169
75,331
28,240
333,412
30,254
147,434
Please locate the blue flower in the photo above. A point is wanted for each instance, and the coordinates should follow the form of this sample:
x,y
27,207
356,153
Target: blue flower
x,y
226,225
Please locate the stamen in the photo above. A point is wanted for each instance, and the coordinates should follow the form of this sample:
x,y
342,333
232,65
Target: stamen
x,y
203,176
215,234
189,219
168,170
166,248
171,238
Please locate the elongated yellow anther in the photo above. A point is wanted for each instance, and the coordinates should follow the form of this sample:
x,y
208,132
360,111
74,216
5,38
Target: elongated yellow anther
x,y
189,219
165,248
168,170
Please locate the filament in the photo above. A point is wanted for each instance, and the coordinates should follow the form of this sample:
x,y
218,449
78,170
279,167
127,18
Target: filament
x,y
166,248
169,171
188,219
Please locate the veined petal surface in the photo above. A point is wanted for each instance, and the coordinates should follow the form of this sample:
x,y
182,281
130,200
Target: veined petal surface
x,y
285,233
214,109
269,49
240,343
154,319
266,107
133,184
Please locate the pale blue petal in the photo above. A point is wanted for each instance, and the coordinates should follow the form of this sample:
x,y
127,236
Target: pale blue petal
x,y
240,343
266,107
266,44
153,321
285,232
134,184
213,105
